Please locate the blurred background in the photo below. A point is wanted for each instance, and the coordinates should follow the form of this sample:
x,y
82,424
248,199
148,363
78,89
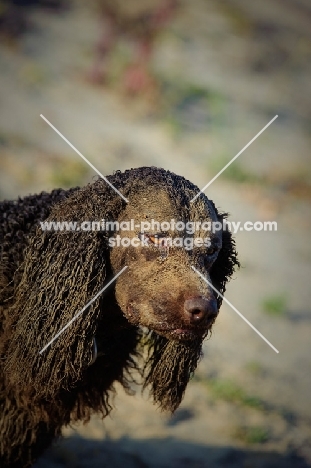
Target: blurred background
x,y
185,86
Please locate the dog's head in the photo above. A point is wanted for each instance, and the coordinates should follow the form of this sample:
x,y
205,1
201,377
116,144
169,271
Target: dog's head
x,y
178,258
162,236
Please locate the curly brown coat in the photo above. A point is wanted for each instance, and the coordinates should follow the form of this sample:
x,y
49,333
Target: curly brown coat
x,y
46,277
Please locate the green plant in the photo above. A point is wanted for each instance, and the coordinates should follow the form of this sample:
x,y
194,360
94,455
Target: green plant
x,y
251,434
253,367
234,172
275,305
229,391
69,173
188,106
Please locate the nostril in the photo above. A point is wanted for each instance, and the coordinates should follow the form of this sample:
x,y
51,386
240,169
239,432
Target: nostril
x,y
199,308
197,314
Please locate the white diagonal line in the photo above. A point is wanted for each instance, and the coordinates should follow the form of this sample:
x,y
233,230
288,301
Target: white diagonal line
x,y
233,159
81,311
83,157
236,310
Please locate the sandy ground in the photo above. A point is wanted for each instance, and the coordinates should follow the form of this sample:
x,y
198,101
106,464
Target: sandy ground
x,y
247,406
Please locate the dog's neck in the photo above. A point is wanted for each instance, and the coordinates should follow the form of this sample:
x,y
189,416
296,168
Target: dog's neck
x,y
112,323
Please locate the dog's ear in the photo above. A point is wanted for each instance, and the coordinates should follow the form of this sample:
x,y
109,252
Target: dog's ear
x,y
62,272
226,262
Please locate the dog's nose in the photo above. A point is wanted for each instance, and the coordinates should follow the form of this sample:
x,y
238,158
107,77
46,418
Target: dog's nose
x,y
199,308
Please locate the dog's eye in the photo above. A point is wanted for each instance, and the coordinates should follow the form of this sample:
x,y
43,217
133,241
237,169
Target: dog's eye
x,y
158,240
148,238
211,251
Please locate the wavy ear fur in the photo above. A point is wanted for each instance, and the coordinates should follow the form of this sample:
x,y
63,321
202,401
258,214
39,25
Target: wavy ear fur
x,y
62,271
226,262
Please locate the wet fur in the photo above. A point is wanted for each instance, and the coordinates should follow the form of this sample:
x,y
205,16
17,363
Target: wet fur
x,y
47,277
